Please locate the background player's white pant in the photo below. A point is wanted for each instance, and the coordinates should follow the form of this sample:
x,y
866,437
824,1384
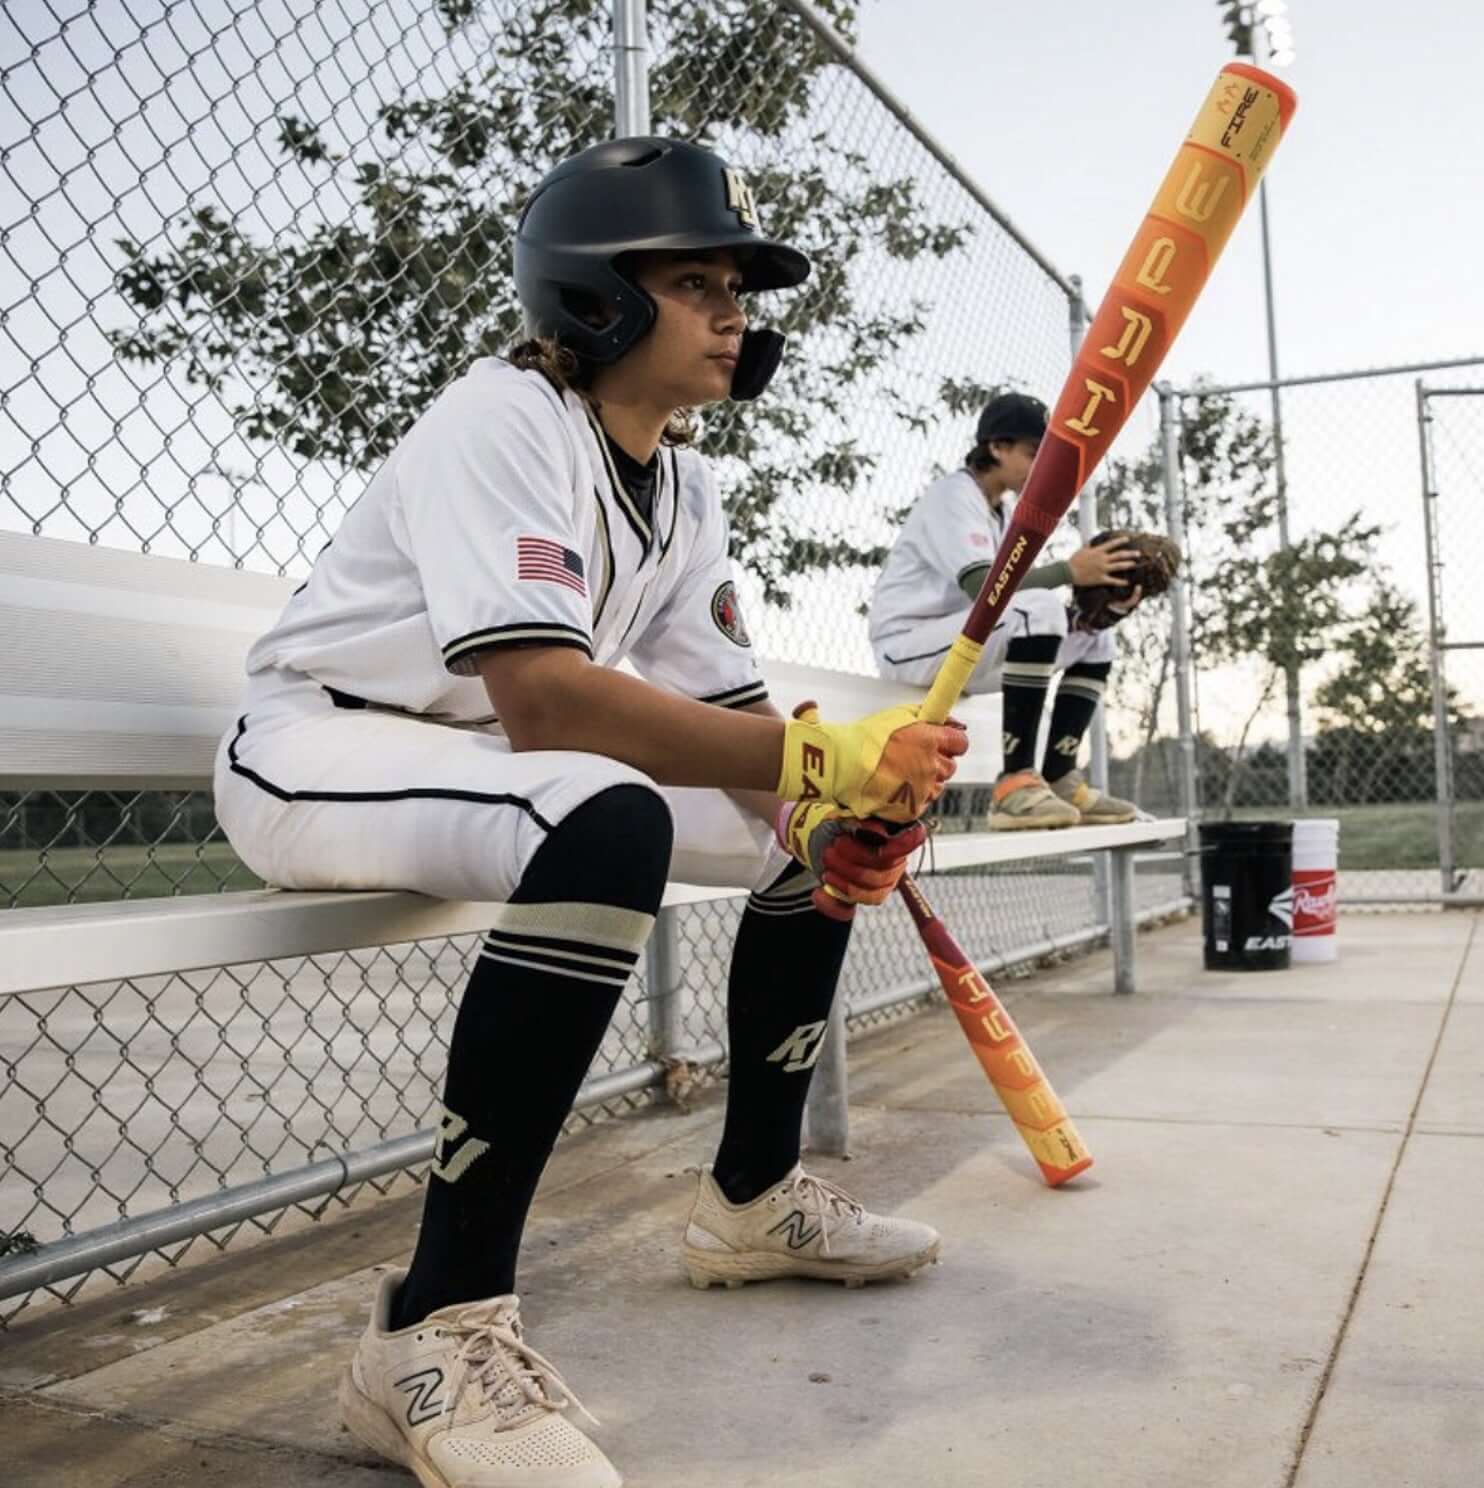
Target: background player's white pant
x,y
315,796
914,655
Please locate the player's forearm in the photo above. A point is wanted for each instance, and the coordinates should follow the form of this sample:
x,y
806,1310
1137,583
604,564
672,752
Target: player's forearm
x,y
1047,576
549,699
761,803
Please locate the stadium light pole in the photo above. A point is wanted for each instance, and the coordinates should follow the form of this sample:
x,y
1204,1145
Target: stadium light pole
x,y
1263,32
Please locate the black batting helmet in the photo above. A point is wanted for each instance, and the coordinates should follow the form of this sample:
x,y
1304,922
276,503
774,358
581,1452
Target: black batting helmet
x,y
636,195
1011,416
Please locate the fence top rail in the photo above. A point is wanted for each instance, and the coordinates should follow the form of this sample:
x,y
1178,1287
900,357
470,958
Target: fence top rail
x,y
843,50
1267,384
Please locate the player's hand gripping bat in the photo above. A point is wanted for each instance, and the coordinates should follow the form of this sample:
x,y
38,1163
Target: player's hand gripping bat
x,y
1215,174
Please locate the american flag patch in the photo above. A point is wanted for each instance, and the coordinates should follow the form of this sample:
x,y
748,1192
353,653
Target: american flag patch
x,y
539,560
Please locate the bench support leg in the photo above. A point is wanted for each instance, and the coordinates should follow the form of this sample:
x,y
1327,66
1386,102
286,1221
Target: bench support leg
x,y
827,1116
1121,917
662,972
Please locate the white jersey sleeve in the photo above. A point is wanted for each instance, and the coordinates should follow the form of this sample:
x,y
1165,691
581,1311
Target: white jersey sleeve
x,y
697,643
485,492
950,529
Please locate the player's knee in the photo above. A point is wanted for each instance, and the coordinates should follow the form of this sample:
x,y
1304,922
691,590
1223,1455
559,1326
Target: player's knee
x,y
612,849
1042,611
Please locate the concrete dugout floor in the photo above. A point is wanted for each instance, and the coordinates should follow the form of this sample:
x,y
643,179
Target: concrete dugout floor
x,y
1271,1277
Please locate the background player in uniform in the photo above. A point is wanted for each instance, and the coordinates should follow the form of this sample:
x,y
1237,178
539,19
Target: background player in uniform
x,y
931,578
439,709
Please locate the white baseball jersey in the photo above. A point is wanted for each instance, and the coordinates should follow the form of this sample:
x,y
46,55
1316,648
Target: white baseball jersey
x,y
500,520
950,529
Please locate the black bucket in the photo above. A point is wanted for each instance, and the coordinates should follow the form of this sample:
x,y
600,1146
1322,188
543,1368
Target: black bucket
x,y
1247,894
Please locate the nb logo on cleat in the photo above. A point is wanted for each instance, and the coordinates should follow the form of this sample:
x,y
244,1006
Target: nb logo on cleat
x,y
424,1391
796,1230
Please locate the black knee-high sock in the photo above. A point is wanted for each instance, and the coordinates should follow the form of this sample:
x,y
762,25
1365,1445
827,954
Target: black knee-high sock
x,y
533,1015
1029,662
1077,700
785,967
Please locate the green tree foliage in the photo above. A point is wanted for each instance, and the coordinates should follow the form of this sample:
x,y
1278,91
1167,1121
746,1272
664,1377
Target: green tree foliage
x,y
1326,604
329,341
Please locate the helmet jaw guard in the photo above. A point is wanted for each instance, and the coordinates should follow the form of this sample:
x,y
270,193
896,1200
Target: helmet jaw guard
x,y
758,360
630,196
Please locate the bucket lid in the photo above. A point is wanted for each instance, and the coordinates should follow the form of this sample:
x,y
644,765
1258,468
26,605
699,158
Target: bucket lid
x,y
1237,832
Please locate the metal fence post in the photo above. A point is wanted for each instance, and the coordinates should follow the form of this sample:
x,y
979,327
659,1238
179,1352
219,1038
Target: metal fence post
x,y
1169,433
1087,527
1443,754
666,984
1298,781
630,67
827,1114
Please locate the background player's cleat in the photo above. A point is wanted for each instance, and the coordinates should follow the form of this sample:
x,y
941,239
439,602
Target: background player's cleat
x,y
462,1401
1096,808
1023,802
802,1226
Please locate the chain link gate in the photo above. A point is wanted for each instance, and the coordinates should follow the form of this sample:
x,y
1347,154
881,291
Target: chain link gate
x,y
1346,602
1450,423
224,224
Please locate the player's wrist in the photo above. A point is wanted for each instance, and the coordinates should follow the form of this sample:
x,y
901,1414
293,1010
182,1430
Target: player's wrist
x,y
810,758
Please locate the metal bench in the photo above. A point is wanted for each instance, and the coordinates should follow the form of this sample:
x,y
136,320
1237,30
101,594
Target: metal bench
x,y
121,671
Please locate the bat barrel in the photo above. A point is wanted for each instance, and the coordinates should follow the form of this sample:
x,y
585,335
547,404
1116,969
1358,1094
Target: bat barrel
x,y
1214,175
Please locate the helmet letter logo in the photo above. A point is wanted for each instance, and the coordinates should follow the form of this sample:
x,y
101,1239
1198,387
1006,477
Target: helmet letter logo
x,y
740,198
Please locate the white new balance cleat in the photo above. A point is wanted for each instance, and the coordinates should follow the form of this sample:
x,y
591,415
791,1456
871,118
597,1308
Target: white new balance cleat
x,y
462,1401
802,1226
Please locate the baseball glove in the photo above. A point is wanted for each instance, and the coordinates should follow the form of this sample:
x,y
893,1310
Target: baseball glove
x,y
1097,606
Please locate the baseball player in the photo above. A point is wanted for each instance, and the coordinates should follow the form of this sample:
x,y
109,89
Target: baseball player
x,y
440,708
932,577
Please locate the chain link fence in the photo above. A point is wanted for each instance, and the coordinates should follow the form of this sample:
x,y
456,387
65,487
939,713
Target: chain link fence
x,y
1452,428
1345,604
242,244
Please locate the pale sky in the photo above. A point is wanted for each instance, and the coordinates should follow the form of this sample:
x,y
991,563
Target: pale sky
x,y
1068,114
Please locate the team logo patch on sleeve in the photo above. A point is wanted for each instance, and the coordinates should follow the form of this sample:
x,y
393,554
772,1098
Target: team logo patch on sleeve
x,y
540,560
727,612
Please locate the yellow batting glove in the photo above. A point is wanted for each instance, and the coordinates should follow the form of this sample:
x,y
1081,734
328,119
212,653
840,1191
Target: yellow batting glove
x,y
889,764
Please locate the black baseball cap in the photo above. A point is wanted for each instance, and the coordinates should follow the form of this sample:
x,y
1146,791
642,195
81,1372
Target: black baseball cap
x,y
1011,416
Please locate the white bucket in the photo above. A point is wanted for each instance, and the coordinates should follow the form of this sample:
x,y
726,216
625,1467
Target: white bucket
x,y
1316,852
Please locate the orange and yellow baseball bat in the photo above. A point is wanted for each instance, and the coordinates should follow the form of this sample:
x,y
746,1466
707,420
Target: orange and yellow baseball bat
x,y
1214,176
1205,191
1019,1081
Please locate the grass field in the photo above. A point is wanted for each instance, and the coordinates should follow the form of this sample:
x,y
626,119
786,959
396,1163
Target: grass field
x,y
92,875
1403,836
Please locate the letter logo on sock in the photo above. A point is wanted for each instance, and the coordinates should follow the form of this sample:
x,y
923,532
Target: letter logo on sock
x,y
1068,745
456,1152
801,1048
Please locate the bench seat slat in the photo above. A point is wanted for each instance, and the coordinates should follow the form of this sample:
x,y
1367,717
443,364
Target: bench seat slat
x,y
65,945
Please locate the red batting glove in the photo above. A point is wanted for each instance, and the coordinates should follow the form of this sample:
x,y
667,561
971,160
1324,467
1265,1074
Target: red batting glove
x,y
856,861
